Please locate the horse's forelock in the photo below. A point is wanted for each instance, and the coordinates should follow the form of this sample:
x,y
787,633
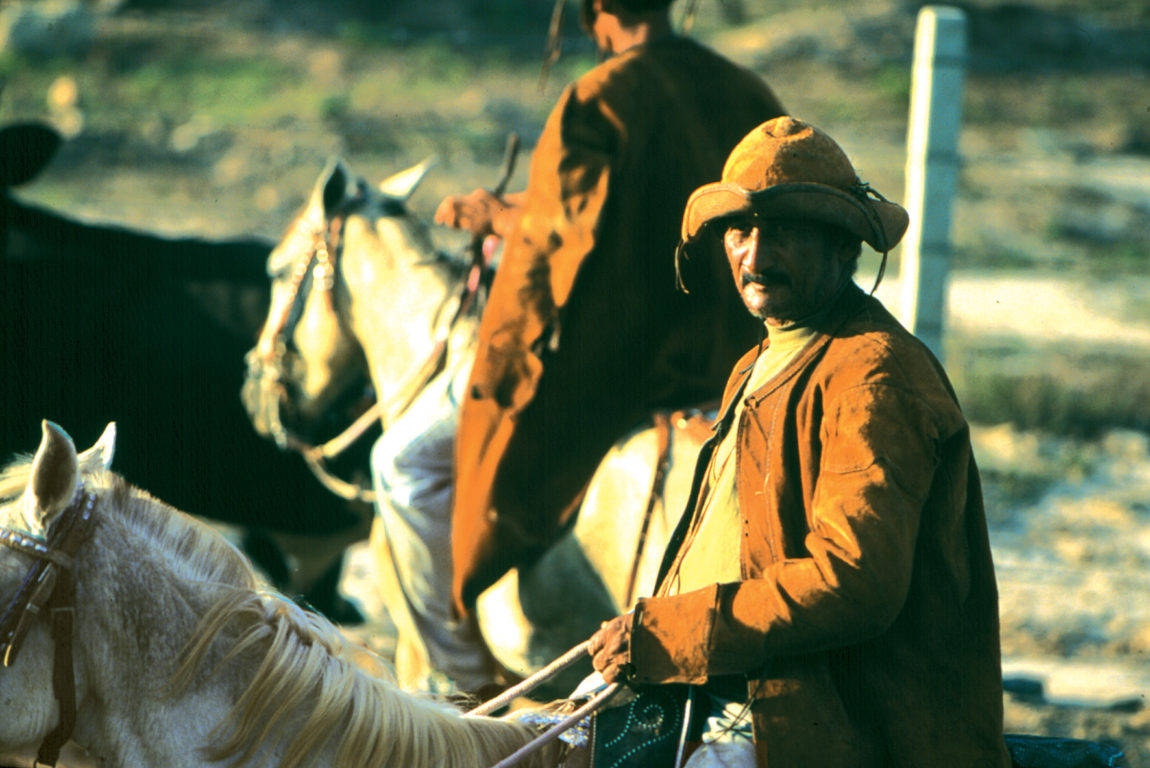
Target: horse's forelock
x,y
392,207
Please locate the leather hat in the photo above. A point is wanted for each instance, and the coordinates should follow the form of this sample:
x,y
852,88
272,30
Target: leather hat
x,y
788,168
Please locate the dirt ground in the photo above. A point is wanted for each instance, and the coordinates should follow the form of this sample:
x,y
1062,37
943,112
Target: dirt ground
x,y
1051,229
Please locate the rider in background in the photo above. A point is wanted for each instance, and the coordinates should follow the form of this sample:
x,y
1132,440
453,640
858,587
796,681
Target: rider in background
x,y
584,333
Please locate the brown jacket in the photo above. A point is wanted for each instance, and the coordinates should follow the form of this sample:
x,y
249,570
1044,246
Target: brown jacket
x,y
585,332
866,622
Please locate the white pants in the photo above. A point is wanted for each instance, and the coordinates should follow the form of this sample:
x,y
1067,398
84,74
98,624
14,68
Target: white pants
x,y
412,470
728,740
737,753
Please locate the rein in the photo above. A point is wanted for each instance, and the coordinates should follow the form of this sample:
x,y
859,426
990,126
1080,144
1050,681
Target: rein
x,y
592,706
49,585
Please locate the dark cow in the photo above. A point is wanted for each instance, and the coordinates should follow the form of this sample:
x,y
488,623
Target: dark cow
x,y
103,323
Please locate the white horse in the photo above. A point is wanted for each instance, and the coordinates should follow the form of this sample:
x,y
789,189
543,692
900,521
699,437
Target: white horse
x,y
358,286
181,656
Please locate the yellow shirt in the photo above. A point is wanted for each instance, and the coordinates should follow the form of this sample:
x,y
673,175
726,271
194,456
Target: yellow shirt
x,y
712,552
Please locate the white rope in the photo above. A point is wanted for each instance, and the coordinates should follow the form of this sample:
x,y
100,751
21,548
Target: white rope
x,y
534,681
592,706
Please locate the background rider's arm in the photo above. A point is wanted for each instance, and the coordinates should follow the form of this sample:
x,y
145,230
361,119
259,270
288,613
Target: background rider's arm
x,y
482,213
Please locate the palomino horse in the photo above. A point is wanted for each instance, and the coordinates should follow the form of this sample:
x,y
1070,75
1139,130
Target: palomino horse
x,y
183,657
358,283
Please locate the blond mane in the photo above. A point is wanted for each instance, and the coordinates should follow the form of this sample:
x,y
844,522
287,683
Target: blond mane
x,y
300,661
354,708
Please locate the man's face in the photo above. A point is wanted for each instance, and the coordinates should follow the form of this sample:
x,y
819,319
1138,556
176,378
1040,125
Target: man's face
x,y
785,270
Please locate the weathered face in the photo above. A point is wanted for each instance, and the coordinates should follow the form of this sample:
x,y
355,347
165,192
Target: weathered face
x,y
785,270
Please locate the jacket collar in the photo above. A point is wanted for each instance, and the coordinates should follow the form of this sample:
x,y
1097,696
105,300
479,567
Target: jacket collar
x,y
850,302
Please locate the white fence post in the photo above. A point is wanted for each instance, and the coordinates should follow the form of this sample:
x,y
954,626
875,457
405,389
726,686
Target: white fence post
x,y
932,168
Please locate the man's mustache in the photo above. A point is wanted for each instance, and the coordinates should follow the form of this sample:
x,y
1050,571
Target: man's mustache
x,y
769,278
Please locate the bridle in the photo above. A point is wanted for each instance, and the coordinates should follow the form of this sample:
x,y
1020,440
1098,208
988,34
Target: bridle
x,y
49,586
268,362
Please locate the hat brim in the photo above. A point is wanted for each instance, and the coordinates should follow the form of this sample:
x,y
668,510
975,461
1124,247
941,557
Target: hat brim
x,y
879,223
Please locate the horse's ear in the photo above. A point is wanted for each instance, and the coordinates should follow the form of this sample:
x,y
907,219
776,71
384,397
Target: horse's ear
x,y
336,185
403,184
99,456
54,471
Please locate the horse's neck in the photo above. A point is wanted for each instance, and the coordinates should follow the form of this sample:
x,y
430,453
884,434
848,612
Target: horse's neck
x,y
129,638
397,304
152,731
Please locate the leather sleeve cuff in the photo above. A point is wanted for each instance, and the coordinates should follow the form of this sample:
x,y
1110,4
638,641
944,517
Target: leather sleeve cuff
x,y
671,637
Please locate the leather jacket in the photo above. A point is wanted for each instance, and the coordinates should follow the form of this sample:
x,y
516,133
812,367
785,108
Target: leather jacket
x,y
866,620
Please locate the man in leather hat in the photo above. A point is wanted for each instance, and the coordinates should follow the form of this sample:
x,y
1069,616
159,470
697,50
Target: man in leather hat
x,y
584,333
828,596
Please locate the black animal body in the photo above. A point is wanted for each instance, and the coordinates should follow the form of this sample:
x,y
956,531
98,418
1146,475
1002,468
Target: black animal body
x,y
101,323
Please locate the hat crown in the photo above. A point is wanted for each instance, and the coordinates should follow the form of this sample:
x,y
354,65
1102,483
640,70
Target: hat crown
x,y
787,168
787,151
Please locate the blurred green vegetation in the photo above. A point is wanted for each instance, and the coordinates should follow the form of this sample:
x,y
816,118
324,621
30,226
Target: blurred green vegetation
x,y
233,90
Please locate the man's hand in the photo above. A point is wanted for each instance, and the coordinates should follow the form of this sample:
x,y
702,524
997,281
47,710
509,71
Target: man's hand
x,y
610,649
481,213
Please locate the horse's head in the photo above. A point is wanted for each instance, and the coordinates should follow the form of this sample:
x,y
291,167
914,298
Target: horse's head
x,y
309,358
45,518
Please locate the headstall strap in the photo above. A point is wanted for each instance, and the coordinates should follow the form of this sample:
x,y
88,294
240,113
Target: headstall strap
x,y
265,362
50,584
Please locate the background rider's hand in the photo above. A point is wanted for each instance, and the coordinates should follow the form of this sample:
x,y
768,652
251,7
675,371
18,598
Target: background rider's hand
x,y
480,213
610,649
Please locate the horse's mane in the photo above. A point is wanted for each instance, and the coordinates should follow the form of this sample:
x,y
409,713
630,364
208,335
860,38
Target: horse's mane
x,y
307,663
353,705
